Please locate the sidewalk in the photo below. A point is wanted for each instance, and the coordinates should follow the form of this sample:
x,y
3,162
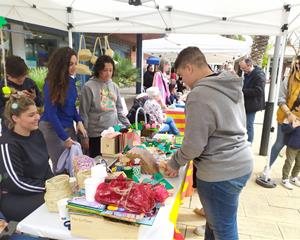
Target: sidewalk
x,y
263,213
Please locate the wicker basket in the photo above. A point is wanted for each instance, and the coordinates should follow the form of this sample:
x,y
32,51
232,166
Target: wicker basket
x,y
57,188
81,176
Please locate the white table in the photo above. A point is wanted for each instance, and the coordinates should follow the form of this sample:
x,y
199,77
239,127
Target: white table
x,y
45,224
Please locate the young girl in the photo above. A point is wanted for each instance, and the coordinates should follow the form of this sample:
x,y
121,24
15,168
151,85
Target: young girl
x,y
24,166
292,140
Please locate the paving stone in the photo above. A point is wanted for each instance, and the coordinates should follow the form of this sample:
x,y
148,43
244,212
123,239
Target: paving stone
x,y
258,228
290,231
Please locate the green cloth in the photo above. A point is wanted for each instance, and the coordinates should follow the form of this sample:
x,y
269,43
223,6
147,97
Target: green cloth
x,y
2,22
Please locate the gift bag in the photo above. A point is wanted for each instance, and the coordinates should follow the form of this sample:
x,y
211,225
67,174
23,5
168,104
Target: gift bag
x,y
94,57
108,50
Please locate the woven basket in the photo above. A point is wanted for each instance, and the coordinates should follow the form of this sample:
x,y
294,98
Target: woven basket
x,y
108,50
84,54
94,57
83,69
81,176
57,188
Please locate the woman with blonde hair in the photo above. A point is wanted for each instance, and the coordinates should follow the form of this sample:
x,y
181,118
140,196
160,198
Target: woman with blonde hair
x,y
288,94
24,165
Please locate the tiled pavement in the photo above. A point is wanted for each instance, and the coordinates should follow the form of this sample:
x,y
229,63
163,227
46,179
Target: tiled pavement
x,y
263,213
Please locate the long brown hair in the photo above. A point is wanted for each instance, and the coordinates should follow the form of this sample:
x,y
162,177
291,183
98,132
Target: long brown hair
x,y
58,74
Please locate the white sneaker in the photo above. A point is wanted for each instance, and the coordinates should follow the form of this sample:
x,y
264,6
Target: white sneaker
x,y
286,183
295,181
200,230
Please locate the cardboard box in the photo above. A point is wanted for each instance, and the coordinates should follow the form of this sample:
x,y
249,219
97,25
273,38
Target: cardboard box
x,y
97,227
110,144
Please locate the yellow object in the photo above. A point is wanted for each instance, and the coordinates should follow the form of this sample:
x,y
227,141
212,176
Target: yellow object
x,y
112,208
293,93
6,90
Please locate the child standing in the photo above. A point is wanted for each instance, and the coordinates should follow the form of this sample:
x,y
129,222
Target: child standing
x,y
292,141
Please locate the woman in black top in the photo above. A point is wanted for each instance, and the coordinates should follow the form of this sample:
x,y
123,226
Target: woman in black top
x,y
24,166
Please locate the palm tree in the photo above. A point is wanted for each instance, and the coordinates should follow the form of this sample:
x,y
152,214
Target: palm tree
x,y
259,46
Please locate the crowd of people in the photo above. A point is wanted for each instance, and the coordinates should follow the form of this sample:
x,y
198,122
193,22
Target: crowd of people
x,y
220,111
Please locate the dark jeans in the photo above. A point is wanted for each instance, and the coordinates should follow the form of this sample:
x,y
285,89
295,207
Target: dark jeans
x,y
220,203
94,146
250,125
16,207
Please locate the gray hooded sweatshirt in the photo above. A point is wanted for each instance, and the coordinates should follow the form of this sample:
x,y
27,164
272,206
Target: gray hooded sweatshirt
x,y
100,106
215,132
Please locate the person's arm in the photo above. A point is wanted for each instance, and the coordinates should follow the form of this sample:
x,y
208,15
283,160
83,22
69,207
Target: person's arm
x,y
200,124
122,118
283,92
51,111
86,99
259,88
282,101
3,223
13,160
155,79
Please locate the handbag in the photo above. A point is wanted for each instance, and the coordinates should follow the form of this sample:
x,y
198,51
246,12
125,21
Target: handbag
x,y
83,69
108,50
94,57
84,54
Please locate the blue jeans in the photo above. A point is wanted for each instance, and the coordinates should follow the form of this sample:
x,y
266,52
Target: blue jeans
x,y
278,145
250,125
220,203
169,127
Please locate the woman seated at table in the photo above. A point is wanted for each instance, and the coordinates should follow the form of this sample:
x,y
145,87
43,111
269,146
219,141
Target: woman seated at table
x,y
24,166
153,107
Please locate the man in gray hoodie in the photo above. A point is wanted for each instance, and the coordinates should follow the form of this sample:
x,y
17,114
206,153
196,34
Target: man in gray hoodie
x,y
215,137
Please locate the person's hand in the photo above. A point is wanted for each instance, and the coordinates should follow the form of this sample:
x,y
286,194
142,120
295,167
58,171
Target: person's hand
x,y
31,94
85,144
69,142
81,129
170,172
291,117
296,123
3,225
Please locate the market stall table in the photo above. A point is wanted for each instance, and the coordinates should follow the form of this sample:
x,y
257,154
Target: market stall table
x,y
45,224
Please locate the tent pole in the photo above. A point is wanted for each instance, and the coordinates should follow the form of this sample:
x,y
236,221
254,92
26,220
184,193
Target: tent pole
x,y
265,148
139,63
70,38
270,103
275,81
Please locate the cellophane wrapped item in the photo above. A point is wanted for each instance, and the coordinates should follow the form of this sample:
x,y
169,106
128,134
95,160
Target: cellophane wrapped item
x,y
134,197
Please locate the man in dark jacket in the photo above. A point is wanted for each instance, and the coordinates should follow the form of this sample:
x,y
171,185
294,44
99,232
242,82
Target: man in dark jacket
x,y
254,92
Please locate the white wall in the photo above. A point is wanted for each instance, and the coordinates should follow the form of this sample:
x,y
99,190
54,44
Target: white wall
x,y
18,41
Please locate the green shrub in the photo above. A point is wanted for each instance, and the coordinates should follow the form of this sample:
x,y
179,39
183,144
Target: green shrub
x,y
38,75
126,74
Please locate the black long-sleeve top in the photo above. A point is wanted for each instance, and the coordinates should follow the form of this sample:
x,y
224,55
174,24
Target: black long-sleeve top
x,y
24,165
28,85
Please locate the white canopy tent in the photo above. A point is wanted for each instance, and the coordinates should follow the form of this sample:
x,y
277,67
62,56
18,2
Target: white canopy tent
x,y
216,48
269,17
156,16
